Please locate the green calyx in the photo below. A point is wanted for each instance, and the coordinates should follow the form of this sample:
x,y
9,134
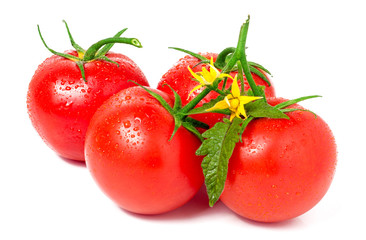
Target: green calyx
x,y
96,51
177,111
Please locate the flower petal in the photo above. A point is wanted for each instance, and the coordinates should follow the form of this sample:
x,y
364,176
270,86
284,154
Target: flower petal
x,y
207,76
219,105
194,89
241,110
247,99
199,78
235,88
222,75
232,116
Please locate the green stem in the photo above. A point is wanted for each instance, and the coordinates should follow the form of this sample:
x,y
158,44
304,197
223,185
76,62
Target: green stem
x,y
241,55
92,50
241,78
195,101
221,58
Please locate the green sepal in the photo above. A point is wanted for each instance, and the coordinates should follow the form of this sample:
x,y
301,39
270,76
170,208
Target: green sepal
x,y
260,74
177,99
253,64
196,55
202,62
160,99
108,60
261,109
261,92
80,64
294,101
65,55
196,123
177,124
286,110
217,148
77,47
192,129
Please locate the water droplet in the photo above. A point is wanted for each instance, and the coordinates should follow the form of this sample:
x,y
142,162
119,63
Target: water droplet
x,y
136,128
68,88
132,135
127,124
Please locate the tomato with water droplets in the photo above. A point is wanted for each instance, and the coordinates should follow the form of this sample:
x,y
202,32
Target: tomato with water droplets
x,y
60,103
282,168
129,154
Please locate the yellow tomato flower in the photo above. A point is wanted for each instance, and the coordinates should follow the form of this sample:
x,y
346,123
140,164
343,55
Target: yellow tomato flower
x,y
206,77
234,102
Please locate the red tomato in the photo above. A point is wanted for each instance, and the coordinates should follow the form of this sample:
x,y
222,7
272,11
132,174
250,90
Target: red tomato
x,y
180,79
130,157
60,104
282,168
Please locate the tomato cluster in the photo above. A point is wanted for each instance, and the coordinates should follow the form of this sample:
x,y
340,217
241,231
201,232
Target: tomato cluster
x,y
272,161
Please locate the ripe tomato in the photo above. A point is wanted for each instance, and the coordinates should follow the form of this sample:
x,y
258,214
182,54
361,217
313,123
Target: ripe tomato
x,y
129,155
60,104
180,79
282,168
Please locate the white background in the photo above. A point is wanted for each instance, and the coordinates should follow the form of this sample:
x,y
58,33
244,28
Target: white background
x,y
311,47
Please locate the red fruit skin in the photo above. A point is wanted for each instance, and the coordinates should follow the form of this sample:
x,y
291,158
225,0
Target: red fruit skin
x,y
180,79
282,168
60,104
132,161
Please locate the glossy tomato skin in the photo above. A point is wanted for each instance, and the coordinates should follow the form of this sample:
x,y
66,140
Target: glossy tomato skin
x,y
130,157
180,79
282,168
60,104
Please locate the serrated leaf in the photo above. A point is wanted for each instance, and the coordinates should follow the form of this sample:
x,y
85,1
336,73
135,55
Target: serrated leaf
x,y
261,109
217,148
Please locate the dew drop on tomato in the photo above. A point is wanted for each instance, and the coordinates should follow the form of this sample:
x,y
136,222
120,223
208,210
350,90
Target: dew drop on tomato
x,y
127,124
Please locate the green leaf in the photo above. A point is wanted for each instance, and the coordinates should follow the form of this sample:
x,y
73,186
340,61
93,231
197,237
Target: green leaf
x,y
261,109
217,148
294,101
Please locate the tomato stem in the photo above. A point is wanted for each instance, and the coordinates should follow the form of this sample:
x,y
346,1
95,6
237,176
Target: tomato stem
x,y
195,101
93,49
